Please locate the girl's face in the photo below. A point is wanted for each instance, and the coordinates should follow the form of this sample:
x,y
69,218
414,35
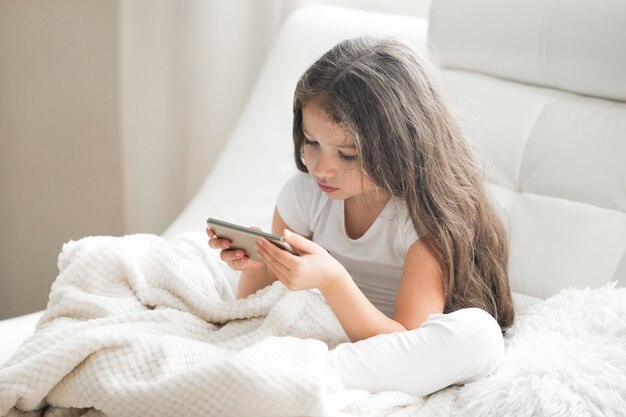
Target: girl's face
x,y
330,155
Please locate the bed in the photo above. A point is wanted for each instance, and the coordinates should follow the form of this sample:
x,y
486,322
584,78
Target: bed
x,y
540,88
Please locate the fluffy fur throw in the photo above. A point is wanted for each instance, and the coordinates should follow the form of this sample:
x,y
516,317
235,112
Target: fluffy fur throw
x,y
135,326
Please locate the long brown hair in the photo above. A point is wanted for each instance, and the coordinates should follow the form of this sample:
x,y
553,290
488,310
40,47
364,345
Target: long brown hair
x,y
383,93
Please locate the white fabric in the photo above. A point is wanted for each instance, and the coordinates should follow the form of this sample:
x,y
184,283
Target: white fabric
x,y
135,327
446,349
374,260
566,357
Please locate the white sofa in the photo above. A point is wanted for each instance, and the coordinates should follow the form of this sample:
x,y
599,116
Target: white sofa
x,y
538,85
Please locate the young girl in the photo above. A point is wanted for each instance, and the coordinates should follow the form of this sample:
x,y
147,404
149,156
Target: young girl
x,y
393,224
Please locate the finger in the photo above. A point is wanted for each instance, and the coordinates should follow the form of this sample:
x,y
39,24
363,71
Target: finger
x,y
216,243
246,264
239,264
279,273
278,255
250,263
299,242
270,254
231,255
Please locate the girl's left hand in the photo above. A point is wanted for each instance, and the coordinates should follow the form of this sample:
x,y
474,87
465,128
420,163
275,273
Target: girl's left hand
x,y
314,268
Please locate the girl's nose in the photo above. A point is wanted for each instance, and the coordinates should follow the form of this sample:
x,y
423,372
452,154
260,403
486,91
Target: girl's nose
x,y
323,166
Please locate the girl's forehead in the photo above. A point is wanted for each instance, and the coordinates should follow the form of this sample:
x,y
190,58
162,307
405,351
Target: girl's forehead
x,y
323,108
316,124
316,112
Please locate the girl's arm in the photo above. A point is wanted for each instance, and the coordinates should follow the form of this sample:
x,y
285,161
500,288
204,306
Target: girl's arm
x,y
420,292
252,280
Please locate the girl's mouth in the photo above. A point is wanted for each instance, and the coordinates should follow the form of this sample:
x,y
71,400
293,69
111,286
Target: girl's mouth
x,y
326,188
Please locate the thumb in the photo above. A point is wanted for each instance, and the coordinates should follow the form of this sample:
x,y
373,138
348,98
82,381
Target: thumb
x,y
299,242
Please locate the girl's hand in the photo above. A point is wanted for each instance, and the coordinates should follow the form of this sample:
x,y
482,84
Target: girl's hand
x,y
236,259
314,268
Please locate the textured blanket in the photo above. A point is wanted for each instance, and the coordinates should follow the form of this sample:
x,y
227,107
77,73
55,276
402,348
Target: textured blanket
x,y
135,326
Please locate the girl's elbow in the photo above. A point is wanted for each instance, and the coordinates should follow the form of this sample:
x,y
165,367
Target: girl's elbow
x,y
394,327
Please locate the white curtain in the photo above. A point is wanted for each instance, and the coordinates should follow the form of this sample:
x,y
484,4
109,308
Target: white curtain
x,y
186,69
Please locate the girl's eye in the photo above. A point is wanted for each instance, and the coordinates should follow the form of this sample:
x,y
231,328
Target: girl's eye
x,y
347,157
342,155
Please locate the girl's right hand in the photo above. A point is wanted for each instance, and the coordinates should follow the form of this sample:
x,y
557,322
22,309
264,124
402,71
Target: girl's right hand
x,y
236,259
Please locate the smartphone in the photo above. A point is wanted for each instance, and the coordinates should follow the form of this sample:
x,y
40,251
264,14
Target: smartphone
x,y
245,238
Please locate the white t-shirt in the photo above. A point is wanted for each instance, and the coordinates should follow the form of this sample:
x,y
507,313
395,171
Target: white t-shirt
x,y
375,260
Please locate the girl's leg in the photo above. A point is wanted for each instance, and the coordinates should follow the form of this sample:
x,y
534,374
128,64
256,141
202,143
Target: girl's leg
x,y
447,349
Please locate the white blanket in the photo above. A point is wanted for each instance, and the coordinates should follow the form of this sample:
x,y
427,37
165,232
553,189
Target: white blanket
x,y
135,326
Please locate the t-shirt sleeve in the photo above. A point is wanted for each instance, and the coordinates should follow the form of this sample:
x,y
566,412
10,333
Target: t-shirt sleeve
x,y
294,204
408,232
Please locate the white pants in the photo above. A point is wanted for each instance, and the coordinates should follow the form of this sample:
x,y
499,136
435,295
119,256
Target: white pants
x,y
447,349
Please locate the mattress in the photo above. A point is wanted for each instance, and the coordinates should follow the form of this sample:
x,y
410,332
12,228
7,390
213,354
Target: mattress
x,y
14,331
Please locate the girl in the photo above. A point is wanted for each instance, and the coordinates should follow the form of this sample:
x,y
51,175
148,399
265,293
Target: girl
x,y
393,224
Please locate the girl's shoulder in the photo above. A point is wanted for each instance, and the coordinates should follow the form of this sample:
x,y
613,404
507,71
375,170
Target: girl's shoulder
x,y
300,203
300,179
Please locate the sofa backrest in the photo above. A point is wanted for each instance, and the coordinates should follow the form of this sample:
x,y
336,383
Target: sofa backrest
x,y
540,88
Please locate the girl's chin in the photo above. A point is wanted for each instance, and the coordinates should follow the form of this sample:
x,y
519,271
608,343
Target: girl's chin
x,y
337,195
